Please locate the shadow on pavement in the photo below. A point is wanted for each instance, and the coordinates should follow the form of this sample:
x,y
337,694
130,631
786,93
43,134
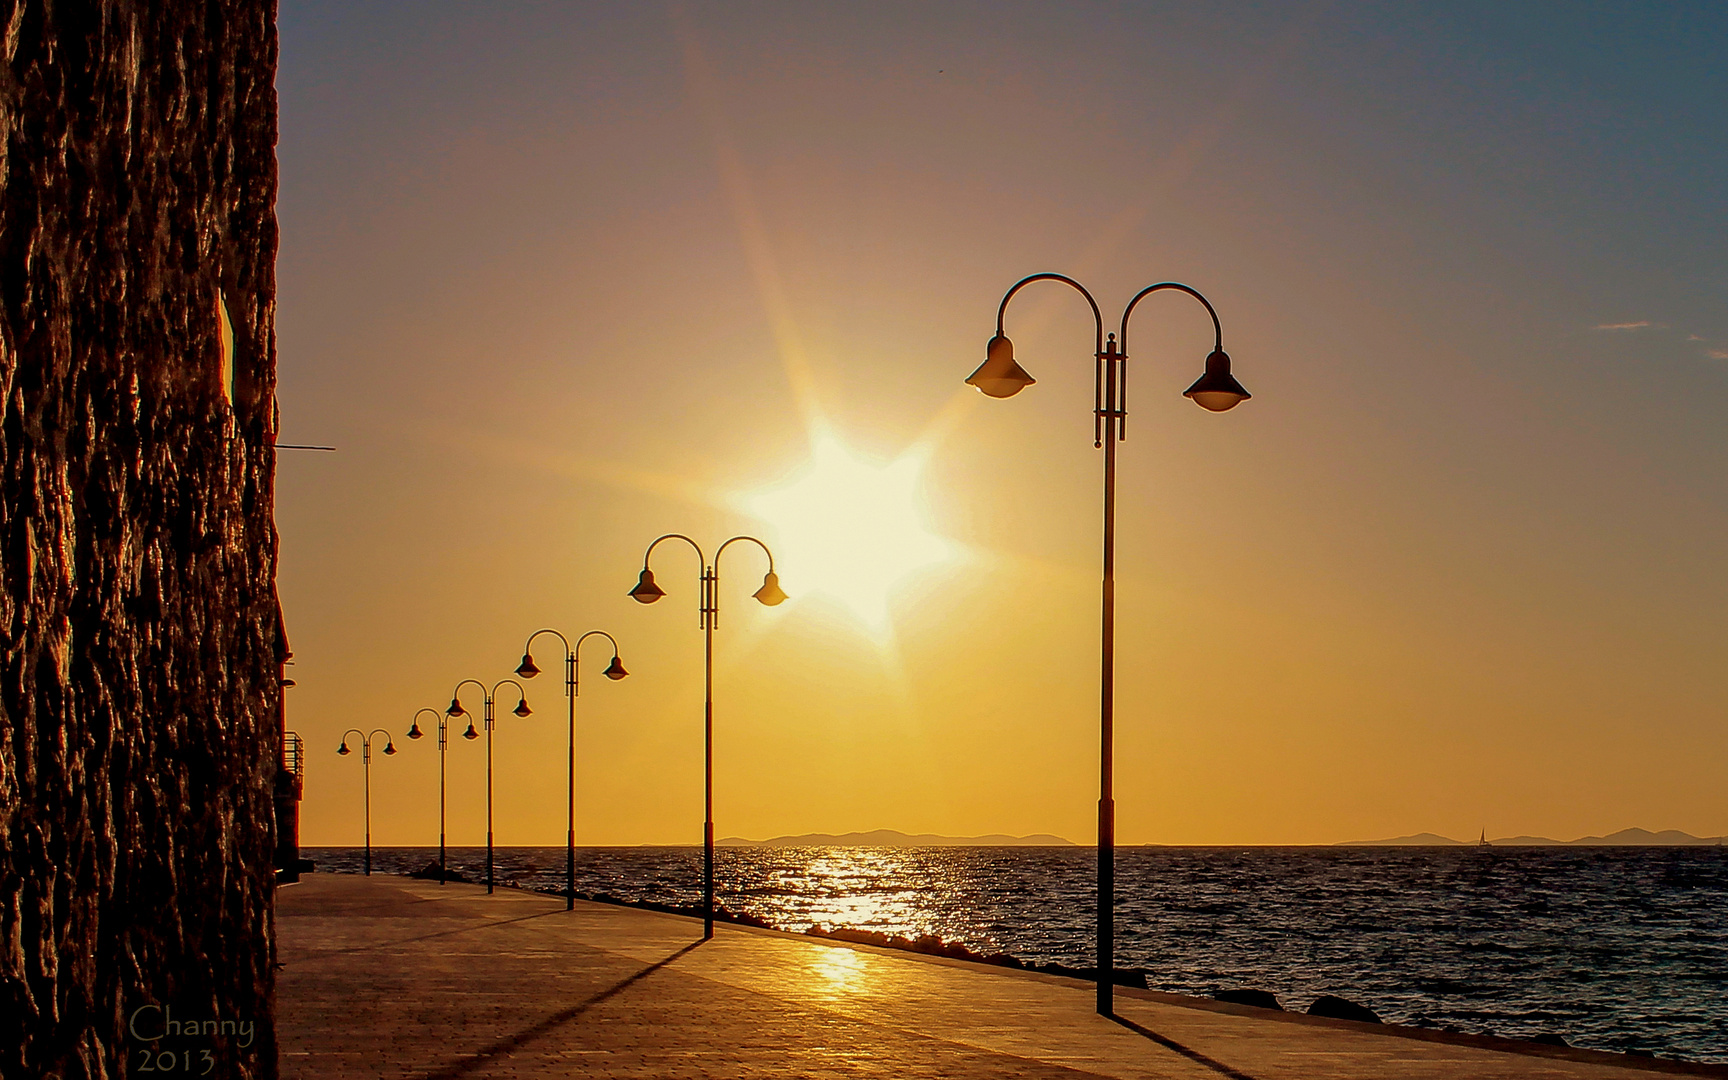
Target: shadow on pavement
x,y
1171,1044
563,1016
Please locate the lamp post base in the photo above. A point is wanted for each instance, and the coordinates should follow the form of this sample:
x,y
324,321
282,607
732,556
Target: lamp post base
x,y
1106,907
707,880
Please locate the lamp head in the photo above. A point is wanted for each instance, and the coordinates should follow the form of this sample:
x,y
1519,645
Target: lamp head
x,y
344,749
522,708
389,747
470,733
526,668
615,670
415,732
646,592
455,708
1217,390
770,593
999,376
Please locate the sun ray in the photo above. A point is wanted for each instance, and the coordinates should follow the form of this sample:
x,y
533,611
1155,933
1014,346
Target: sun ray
x,y
532,457
704,91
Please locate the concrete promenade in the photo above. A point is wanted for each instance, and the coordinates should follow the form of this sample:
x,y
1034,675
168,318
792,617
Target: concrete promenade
x,y
392,977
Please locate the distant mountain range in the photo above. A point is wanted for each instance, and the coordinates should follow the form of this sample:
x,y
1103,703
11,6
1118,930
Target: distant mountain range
x,y
892,838
1623,838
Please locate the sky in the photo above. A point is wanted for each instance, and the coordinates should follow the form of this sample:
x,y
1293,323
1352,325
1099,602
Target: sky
x,y
557,279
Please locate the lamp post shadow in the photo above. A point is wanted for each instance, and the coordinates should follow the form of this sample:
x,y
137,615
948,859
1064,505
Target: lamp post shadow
x,y
511,1043
1172,1045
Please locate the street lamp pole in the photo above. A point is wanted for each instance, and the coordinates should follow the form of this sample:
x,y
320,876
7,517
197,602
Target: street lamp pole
x,y
1216,390
487,696
646,592
443,744
528,670
366,774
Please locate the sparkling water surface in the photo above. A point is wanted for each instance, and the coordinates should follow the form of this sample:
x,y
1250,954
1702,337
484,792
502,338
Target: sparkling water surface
x,y
1612,948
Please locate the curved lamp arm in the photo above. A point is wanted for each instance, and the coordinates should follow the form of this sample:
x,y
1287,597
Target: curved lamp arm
x,y
414,730
521,694
769,594
647,592
753,540
614,671
365,740
1217,331
999,376
528,669
528,646
1097,318
577,651
455,708
700,557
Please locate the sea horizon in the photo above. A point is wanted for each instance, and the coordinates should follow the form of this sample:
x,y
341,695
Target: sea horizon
x,y
1633,836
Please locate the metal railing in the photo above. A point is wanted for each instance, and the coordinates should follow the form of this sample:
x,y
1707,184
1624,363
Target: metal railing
x,y
293,754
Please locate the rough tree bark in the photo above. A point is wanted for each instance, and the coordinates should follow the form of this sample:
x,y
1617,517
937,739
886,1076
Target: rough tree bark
x,y
139,629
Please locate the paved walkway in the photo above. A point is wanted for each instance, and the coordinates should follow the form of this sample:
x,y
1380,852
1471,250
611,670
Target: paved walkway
x,y
391,977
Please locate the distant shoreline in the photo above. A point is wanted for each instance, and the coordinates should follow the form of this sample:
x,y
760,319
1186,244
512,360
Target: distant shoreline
x,y
1623,838
890,838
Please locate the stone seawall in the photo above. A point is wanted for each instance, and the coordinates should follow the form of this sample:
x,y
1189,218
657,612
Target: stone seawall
x,y
140,638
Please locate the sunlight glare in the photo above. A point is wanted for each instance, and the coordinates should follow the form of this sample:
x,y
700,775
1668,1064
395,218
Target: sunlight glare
x,y
850,528
840,969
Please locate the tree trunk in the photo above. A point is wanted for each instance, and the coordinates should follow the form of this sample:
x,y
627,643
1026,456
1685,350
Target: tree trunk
x,y
140,636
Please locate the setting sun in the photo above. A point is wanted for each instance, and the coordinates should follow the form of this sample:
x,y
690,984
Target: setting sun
x,y
850,528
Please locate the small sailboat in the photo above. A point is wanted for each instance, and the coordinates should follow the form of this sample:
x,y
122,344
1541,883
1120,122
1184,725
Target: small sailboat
x,y
1483,843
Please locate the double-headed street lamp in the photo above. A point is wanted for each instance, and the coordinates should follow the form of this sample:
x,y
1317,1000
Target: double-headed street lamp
x,y
614,671
646,592
1216,390
443,744
488,697
366,772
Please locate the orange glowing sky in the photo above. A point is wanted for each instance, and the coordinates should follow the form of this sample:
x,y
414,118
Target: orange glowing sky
x,y
556,279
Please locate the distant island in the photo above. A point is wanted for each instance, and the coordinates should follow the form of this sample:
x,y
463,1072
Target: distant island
x,y
893,838
1623,838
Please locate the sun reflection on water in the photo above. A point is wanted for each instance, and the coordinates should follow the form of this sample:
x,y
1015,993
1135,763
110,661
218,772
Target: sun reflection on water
x,y
869,889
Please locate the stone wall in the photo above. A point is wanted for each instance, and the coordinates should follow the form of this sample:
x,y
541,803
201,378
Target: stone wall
x,y
139,631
